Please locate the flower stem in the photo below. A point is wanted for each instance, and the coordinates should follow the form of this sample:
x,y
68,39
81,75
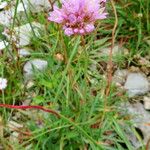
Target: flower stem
x,y
30,107
110,62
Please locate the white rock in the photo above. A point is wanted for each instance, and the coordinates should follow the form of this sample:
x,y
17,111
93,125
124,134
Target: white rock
x,y
136,84
21,7
34,64
3,4
146,102
37,5
140,118
6,16
23,34
120,76
3,44
117,50
24,52
132,138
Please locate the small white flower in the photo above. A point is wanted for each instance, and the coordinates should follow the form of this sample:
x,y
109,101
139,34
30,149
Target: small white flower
x,y
3,83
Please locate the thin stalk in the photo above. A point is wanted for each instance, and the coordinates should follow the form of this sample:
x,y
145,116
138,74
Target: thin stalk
x,y
51,3
110,62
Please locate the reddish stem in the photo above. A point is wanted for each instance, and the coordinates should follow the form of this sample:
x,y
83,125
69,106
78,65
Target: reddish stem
x,y
51,3
30,107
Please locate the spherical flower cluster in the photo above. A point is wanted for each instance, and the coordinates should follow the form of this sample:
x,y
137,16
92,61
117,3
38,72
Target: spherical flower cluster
x,y
3,83
78,16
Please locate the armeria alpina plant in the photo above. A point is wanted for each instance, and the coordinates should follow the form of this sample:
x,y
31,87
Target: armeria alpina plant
x,y
78,16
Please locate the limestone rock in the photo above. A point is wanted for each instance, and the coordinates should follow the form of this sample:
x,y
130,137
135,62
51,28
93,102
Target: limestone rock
x,y
37,5
140,118
3,45
119,77
23,34
136,84
146,102
24,52
29,67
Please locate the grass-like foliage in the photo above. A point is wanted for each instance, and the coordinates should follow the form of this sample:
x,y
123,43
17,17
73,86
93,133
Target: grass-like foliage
x,y
73,84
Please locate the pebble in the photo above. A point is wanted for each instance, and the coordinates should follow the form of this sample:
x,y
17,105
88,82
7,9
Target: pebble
x,y
38,64
24,52
6,16
3,44
21,7
117,50
23,34
119,77
37,5
3,5
146,102
136,84
140,119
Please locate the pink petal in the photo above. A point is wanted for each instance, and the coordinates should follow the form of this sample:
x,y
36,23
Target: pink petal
x,y
69,31
89,28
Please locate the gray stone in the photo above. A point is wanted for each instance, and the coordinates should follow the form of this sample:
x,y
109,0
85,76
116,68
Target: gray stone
x,y
146,100
136,84
23,34
3,44
140,119
117,50
37,64
24,52
119,77
37,5
6,16
3,5
132,138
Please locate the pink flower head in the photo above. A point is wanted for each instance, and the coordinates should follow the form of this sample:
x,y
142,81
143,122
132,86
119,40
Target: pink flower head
x,y
78,16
